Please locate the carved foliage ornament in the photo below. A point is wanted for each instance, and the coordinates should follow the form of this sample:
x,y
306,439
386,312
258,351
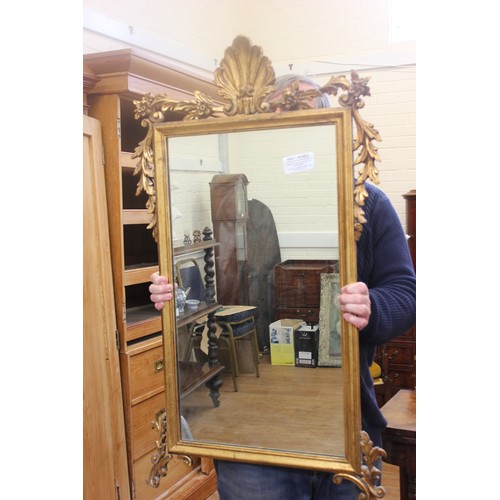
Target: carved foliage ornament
x,y
370,473
245,79
161,458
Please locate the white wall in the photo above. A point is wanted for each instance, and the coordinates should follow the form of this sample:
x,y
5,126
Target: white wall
x,y
320,38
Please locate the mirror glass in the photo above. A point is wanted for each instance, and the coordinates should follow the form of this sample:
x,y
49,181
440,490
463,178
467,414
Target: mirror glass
x,y
293,172
282,181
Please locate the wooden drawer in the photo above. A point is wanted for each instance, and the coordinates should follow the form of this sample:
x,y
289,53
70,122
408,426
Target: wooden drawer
x,y
146,375
177,470
401,379
144,433
309,314
400,354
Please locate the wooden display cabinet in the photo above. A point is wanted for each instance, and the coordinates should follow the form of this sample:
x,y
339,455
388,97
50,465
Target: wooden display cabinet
x,y
194,374
105,468
121,77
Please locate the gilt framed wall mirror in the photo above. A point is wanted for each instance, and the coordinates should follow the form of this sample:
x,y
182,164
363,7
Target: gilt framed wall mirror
x,y
237,189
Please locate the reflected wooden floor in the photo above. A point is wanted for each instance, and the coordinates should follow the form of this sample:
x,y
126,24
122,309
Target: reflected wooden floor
x,y
285,393
305,401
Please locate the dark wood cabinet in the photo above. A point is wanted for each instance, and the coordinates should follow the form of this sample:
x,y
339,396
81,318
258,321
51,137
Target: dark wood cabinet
x,y
298,288
249,249
397,358
411,224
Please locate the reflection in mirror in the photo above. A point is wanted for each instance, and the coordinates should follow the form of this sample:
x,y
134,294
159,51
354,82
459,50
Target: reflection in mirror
x,y
291,170
293,173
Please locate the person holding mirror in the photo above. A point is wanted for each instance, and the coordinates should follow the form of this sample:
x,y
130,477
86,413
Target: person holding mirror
x,y
381,305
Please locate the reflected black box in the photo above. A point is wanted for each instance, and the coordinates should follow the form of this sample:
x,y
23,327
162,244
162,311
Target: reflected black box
x,y
306,340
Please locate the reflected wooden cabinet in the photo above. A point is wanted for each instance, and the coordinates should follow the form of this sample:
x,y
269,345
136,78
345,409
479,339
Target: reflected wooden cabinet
x,y
298,288
229,205
123,76
397,358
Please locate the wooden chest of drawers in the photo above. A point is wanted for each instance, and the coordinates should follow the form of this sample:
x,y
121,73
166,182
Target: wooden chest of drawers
x,y
298,288
398,357
142,363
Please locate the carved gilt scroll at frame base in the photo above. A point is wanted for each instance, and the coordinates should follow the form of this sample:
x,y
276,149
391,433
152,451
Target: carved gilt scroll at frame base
x,y
245,80
161,458
370,473
367,482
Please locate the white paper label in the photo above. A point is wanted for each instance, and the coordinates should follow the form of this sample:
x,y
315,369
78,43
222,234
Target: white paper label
x,y
298,163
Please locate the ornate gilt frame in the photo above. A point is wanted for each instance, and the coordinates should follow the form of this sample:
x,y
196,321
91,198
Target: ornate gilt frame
x,y
245,79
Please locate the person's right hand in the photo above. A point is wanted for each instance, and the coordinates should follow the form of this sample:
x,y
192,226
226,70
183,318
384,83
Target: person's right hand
x,y
161,290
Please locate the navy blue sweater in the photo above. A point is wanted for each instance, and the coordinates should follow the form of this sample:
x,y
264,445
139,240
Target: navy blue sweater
x,y
384,264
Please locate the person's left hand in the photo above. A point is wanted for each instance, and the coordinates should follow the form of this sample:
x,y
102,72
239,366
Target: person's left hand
x,y
355,304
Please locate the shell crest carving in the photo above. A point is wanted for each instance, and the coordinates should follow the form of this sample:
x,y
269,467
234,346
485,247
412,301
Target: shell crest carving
x,y
245,77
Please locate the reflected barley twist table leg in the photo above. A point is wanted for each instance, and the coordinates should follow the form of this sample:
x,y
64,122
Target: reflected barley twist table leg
x,y
215,383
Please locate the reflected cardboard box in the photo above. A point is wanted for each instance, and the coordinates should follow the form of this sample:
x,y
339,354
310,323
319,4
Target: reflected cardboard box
x,y
281,334
306,341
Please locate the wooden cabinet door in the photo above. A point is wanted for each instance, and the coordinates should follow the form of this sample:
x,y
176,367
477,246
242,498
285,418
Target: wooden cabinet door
x,y
105,473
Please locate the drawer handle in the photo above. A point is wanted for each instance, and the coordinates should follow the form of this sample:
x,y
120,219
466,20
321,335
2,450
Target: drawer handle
x,y
393,355
303,314
158,365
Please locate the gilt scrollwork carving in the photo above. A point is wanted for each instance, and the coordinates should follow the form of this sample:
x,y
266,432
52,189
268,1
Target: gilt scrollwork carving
x,y
293,98
245,81
161,457
363,143
370,473
150,110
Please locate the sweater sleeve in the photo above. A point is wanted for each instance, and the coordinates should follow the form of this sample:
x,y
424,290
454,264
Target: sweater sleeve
x,y
385,265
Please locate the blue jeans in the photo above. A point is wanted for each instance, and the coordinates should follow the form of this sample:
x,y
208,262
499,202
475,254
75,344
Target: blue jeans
x,y
240,481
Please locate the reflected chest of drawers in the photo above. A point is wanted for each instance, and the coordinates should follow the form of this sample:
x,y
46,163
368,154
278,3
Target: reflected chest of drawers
x,y
298,288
